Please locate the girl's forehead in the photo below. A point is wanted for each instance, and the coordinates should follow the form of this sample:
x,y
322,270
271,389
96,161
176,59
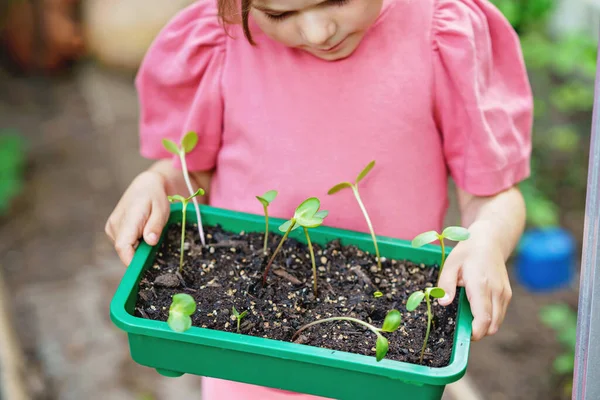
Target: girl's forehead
x,y
286,5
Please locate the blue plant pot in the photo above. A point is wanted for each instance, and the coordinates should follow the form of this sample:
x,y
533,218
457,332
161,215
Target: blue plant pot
x,y
545,259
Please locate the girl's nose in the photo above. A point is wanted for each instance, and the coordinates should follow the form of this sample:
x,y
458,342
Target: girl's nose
x,y
317,28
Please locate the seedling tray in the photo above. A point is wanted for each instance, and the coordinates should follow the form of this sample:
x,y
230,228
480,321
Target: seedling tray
x,y
278,364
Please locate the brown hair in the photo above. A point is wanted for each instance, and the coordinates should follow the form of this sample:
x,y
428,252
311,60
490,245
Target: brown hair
x,y
229,15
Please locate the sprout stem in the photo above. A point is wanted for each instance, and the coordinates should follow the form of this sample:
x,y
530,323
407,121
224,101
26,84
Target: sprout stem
x,y
266,228
188,183
443,260
314,264
364,210
358,321
238,324
429,317
182,236
277,250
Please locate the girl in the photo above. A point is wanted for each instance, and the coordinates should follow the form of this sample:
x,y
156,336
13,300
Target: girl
x,y
297,95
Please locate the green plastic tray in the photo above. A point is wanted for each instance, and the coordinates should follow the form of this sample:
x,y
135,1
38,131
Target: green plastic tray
x,y
278,364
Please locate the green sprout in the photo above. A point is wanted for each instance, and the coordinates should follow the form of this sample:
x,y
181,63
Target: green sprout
x,y
377,294
238,316
455,233
266,199
188,143
184,201
354,187
182,307
307,216
391,323
413,302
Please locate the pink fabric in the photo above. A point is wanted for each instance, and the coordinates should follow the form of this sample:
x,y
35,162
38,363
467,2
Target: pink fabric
x,y
436,89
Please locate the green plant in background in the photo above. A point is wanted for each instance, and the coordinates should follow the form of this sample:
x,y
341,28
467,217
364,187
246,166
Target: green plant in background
x,y
307,216
187,144
413,302
238,316
563,320
391,323
180,311
184,201
266,199
12,165
354,187
454,233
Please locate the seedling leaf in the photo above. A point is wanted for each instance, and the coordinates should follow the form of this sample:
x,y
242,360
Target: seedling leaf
x,y
437,293
456,233
182,307
286,225
381,348
424,238
199,192
170,146
179,322
189,142
564,363
308,208
377,294
339,186
235,312
392,321
365,171
322,214
414,300
177,197
270,196
242,315
310,222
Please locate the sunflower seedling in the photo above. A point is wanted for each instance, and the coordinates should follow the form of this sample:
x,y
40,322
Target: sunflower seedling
x,y
188,143
307,216
238,316
391,323
354,187
413,302
455,233
182,307
184,201
266,199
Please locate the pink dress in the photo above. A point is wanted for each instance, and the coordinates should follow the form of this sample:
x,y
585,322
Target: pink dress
x,y
437,89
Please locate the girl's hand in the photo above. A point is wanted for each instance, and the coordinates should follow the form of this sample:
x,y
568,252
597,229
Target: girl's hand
x,y
477,264
142,211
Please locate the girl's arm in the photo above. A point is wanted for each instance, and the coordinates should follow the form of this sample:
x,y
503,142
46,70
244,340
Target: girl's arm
x,y
479,263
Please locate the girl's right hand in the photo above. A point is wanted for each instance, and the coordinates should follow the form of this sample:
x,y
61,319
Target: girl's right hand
x,y
143,211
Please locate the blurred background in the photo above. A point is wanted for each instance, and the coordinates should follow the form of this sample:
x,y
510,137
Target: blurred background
x,y
68,149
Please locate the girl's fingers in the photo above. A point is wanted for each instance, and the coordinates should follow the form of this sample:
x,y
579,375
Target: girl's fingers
x,y
129,234
448,281
159,214
481,306
497,313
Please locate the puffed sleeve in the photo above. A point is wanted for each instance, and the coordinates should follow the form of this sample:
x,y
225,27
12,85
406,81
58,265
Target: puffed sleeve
x,y
483,101
179,86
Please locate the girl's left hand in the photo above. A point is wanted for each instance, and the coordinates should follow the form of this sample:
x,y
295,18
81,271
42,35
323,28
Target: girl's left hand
x,y
477,264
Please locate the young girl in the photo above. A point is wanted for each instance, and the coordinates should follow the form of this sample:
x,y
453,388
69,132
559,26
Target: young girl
x,y
297,95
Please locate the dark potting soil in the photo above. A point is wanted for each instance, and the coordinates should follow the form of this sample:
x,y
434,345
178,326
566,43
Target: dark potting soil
x,y
228,272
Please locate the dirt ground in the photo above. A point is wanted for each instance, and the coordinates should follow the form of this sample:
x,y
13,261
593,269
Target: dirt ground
x,y
62,271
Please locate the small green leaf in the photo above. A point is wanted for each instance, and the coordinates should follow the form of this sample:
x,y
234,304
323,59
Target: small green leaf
x,y
308,208
310,222
183,303
242,315
424,238
436,292
456,233
381,348
377,294
235,312
189,142
177,197
199,192
392,321
365,171
286,225
322,214
564,363
270,196
414,300
339,186
171,146
179,322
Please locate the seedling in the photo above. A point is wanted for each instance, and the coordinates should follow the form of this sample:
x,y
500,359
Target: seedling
x,y
188,143
413,302
390,324
184,201
455,233
354,187
182,307
266,199
377,295
238,316
307,216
